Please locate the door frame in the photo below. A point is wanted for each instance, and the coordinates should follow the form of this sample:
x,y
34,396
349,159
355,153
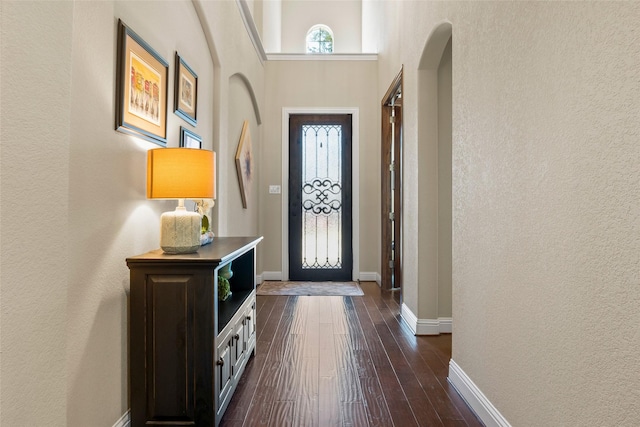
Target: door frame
x,y
355,182
390,234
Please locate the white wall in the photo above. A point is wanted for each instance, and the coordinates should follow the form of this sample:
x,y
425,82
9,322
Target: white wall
x,y
73,191
272,25
434,177
245,220
322,84
371,22
546,219
234,55
444,184
344,17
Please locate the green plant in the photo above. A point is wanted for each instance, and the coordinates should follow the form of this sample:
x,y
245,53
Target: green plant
x,y
224,288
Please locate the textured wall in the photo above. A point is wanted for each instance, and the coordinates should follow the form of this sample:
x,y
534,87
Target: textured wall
x,y
34,196
546,184
109,215
546,210
73,191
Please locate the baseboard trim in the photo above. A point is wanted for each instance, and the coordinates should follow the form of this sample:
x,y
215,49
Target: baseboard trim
x,y
124,421
269,275
445,324
409,318
364,276
441,325
474,397
369,276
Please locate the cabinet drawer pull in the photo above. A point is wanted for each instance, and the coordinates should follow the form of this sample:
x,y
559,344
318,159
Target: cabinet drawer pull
x,y
248,317
236,337
220,362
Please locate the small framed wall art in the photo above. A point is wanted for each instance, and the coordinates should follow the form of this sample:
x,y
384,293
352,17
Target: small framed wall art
x,y
244,163
189,139
141,85
186,92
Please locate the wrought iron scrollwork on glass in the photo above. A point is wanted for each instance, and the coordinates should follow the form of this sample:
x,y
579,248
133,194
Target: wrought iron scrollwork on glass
x,y
322,196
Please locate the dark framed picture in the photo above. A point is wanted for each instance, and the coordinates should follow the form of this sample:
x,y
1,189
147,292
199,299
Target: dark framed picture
x,y
189,139
186,92
142,88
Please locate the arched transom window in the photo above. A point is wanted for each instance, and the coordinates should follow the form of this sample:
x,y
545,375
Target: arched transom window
x,y
320,39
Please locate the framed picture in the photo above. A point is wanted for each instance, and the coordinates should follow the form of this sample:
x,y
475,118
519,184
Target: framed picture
x,y
244,163
189,139
141,85
186,92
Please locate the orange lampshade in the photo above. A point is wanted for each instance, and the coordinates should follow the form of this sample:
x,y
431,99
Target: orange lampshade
x,y
181,173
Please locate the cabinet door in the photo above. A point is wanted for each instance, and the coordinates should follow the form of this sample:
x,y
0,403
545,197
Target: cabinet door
x,y
167,345
238,347
224,367
250,327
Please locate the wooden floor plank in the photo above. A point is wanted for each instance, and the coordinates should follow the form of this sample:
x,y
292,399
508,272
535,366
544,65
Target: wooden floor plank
x,y
344,361
261,407
268,316
375,402
283,414
269,319
260,303
347,372
308,386
430,362
354,415
329,406
399,410
419,378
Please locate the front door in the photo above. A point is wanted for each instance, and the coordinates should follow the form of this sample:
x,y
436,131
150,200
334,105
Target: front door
x,y
320,218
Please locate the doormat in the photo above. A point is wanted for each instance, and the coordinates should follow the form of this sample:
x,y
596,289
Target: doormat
x,y
346,289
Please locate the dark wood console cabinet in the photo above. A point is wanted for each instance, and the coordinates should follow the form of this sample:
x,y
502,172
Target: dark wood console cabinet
x,y
187,349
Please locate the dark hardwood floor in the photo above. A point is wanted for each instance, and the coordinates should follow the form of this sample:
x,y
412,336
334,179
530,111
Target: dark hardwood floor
x,y
344,361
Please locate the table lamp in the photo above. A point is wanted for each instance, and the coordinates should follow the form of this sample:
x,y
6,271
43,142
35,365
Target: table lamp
x,y
180,173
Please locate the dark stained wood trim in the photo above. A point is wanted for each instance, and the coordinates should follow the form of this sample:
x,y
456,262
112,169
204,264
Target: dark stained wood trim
x,y
398,200
387,233
393,87
385,205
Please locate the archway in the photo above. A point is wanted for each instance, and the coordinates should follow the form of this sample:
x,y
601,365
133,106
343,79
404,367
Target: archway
x,y
241,205
434,314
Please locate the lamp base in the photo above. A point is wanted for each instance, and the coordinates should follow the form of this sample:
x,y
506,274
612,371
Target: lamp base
x,y
180,231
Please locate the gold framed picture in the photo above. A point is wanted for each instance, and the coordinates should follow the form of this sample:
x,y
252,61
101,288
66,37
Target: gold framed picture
x,y
141,85
244,163
186,92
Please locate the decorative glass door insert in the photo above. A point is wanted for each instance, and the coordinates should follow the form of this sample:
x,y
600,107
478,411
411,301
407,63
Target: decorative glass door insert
x,y
320,197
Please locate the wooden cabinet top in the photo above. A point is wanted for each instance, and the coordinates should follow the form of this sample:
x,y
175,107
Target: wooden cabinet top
x,y
216,252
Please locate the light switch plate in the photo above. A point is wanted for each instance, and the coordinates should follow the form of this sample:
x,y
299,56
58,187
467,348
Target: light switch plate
x,y
274,189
